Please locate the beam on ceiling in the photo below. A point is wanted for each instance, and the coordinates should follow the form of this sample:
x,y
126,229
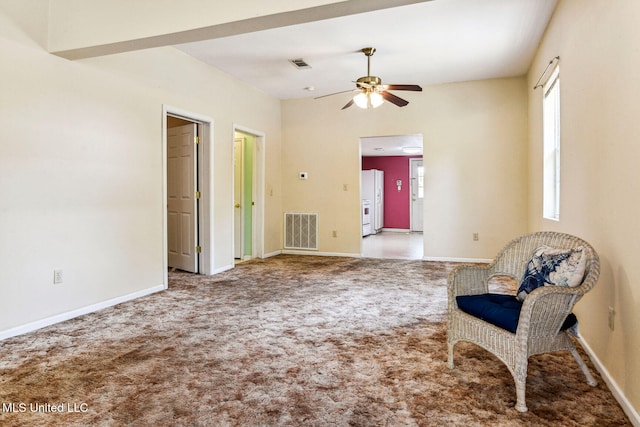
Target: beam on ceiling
x,y
79,29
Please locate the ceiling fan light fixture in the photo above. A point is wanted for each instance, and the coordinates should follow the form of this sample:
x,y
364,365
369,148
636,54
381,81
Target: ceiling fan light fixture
x,y
361,100
376,99
411,150
366,100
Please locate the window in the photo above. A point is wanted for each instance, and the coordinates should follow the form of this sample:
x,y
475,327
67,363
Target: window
x,y
551,147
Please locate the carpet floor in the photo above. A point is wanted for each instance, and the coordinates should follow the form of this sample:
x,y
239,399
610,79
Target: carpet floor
x,y
285,341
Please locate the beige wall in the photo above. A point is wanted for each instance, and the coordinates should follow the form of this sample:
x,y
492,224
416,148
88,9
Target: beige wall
x,y
475,150
81,168
597,41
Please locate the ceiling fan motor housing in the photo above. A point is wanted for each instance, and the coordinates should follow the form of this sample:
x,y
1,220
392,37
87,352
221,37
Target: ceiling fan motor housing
x,y
368,50
369,81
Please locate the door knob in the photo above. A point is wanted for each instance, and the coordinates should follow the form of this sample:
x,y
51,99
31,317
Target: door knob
x,y
237,205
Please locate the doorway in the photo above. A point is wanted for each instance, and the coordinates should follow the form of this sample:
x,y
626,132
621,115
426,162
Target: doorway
x,y
399,159
244,203
187,170
248,206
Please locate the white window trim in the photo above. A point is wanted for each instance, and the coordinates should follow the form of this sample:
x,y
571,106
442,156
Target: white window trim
x,y
551,146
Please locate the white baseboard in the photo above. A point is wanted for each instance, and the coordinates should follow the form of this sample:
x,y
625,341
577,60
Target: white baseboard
x,y
38,324
397,230
270,254
223,268
618,394
342,254
467,260
314,253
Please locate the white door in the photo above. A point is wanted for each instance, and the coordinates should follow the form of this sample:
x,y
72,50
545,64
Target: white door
x,y
182,212
417,195
238,210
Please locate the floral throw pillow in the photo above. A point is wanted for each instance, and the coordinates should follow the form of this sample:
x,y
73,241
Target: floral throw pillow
x,y
549,266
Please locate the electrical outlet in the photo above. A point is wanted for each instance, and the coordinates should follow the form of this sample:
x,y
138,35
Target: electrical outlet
x,y
334,233
345,187
612,317
476,237
57,277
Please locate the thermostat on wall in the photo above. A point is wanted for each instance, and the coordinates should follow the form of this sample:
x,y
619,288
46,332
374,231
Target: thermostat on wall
x,y
304,175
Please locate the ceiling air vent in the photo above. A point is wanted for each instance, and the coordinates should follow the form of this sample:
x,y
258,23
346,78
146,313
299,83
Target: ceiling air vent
x,y
299,63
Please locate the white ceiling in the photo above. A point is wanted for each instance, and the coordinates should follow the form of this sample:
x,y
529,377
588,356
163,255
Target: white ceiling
x,y
427,43
391,145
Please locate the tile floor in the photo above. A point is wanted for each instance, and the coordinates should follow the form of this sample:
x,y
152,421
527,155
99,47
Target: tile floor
x,y
393,244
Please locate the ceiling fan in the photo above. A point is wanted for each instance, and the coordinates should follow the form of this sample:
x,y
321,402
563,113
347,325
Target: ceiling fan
x,y
371,92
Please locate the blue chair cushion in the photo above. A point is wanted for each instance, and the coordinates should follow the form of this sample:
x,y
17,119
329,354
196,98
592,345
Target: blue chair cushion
x,y
500,310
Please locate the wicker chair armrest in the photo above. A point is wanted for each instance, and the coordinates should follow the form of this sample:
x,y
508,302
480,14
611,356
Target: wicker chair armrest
x,y
545,309
468,279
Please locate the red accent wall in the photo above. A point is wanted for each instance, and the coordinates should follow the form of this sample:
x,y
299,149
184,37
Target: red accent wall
x,y
396,203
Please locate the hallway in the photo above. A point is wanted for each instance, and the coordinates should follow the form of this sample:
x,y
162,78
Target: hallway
x,y
393,245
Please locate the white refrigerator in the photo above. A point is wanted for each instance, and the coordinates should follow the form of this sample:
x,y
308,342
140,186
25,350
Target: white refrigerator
x,y
373,190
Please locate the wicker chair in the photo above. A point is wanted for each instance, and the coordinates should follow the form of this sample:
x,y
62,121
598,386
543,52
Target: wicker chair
x,y
542,314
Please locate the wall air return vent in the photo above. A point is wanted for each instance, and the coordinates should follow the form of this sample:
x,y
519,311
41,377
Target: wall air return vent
x,y
300,230
300,64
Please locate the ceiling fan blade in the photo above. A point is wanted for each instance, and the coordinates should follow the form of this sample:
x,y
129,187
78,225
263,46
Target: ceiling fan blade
x,y
349,104
336,93
394,99
414,88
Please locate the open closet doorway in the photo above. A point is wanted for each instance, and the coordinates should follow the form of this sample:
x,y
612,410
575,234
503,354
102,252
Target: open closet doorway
x,y
248,207
393,230
186,168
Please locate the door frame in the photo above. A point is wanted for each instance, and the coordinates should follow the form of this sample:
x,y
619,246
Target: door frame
x,y
205,176
239,200
258,188
411,201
